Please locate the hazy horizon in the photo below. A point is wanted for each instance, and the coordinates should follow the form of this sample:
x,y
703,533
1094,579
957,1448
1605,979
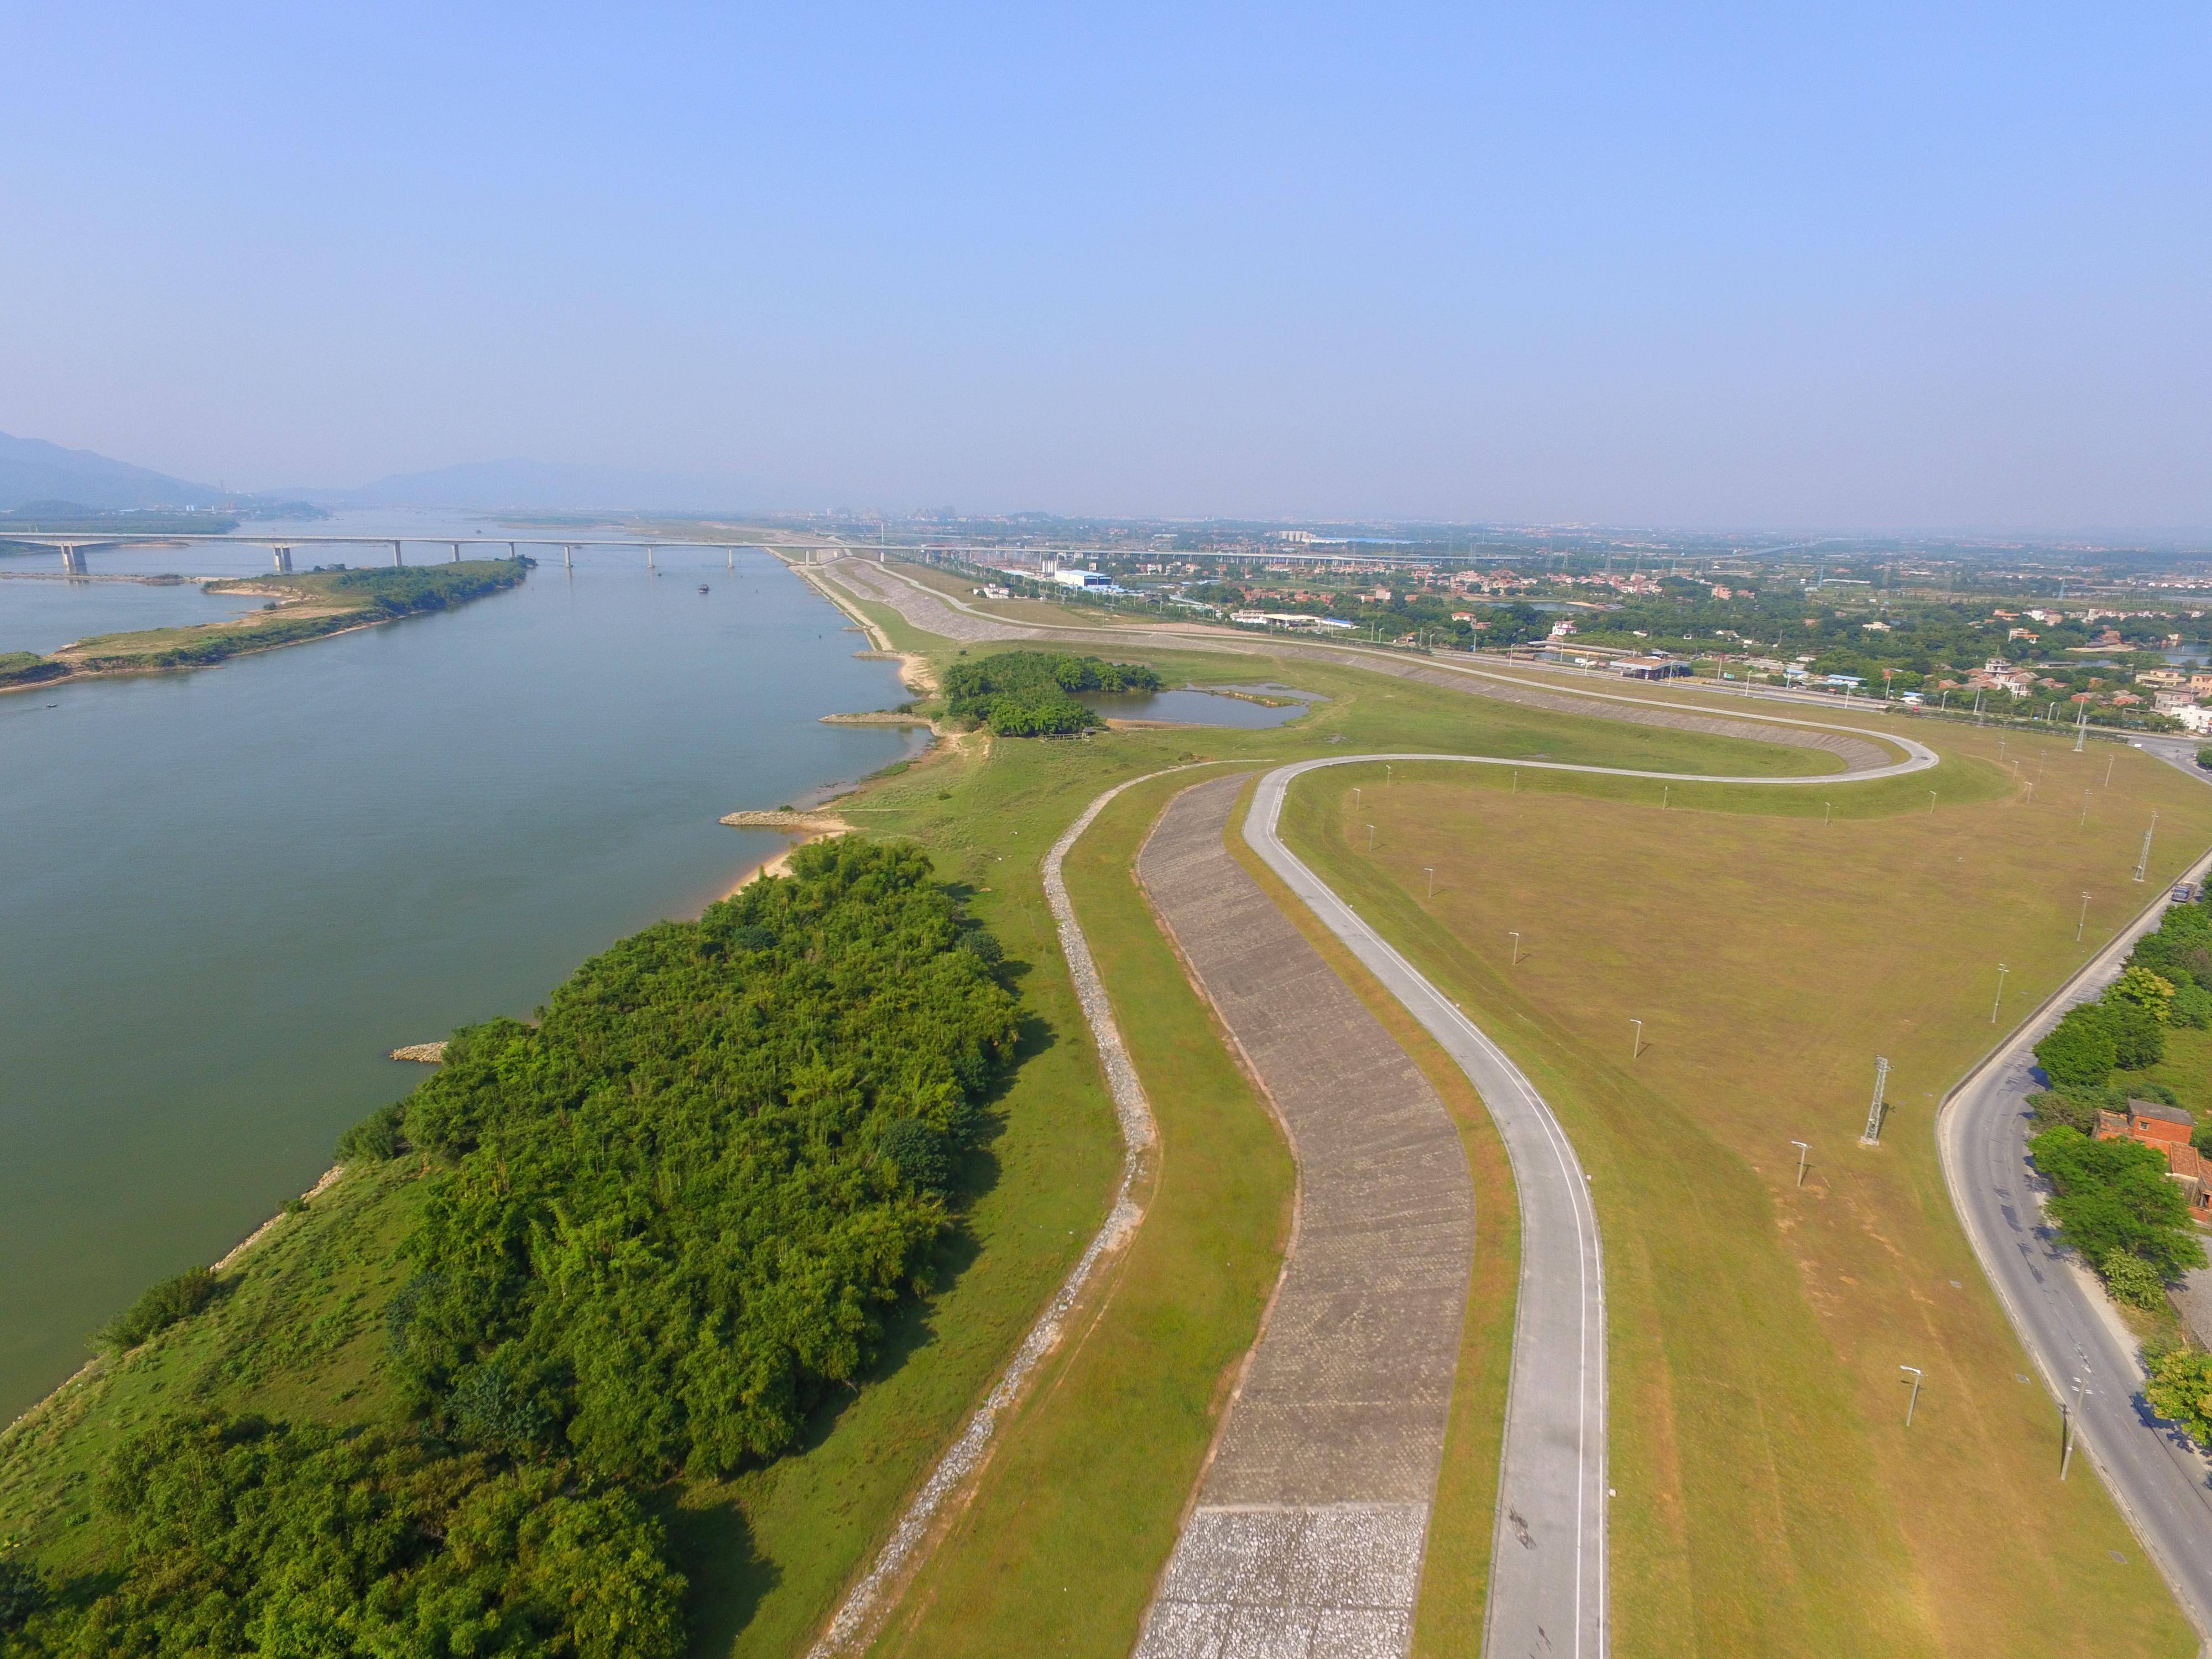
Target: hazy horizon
x,y
1884,271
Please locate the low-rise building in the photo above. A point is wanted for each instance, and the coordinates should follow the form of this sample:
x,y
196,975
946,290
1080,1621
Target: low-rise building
x,y
2169,1129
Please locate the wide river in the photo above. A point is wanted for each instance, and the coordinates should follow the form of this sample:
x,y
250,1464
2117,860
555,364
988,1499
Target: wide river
x,y
225,895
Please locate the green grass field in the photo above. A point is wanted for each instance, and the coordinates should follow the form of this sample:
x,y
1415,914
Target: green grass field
x,y
1770,1500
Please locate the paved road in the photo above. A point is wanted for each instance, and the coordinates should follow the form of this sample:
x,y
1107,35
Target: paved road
x,y
2161,1482
1547,1586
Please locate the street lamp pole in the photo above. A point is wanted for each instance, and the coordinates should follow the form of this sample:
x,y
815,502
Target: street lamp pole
x,y
1636,1048
1915,1400
1802,1150
2002,971
1370,837
1516,950
2083,922
1432,869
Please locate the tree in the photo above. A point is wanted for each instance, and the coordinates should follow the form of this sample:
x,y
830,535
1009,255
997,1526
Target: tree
x,y
2139,987
2138,1035
2111,1195
2180,1390
2079,1053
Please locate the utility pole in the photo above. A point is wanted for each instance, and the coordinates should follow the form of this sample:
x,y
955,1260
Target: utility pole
x,y
1915,1400
1802,1150
1873,1135
2002,971
2067,1421
2142,864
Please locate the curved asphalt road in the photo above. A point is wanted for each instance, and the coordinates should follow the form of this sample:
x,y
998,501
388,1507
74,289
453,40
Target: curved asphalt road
x,y
1548,1585
2161,1482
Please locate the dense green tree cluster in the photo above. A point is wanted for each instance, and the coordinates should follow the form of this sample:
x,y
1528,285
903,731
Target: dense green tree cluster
x,y
1024,694
241,1537
2114,1196
402,590
660,1224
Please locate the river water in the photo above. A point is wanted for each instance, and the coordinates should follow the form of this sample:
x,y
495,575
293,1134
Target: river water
x,y
225,895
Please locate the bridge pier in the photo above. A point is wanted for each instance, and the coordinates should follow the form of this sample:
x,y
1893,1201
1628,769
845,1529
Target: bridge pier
x,y
733,552
457,552
510,551
567,556
73,561
648,555
397,557
284,560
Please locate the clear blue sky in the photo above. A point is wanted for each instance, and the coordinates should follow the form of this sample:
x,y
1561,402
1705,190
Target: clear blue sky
x,y
1855,265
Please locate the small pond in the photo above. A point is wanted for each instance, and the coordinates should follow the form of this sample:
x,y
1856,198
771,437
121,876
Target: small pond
x,y
1213,706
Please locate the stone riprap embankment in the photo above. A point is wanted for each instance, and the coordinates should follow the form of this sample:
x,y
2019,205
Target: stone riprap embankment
x,y
1307,1534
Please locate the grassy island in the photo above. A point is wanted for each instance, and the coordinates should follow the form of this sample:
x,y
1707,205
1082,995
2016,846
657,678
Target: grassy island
x,y
590,1264
308,605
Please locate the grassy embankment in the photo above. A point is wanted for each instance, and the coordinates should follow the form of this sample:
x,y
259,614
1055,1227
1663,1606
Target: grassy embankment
x,y
1770,1498
766,1552
307,606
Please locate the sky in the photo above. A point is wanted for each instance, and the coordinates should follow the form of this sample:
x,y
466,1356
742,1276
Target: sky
x,y
1864,266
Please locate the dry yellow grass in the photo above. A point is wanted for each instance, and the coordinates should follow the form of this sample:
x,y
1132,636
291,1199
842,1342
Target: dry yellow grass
x,y
1769,1499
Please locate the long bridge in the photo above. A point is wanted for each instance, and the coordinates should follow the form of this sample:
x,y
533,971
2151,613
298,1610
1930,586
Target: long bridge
x,y
73,547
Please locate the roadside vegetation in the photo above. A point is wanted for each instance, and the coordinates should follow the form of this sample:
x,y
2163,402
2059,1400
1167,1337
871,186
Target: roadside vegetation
x,y
1769,1498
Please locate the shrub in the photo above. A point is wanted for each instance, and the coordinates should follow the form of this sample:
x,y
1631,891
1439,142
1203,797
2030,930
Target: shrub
x,y
23,1591
241,1536
2133,1280
2204,758
162,1306
379,1136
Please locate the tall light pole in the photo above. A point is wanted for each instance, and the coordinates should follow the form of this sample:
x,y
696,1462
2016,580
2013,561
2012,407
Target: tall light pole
x,y
1802,1150
1432,869
1370,837
1915,1400
1636,1049
2110,760
2083,922
1516,950
1827,810
1666,795
2002,971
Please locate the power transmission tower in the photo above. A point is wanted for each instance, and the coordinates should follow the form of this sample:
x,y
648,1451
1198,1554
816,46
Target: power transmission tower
x,y
2142,864
1873,1135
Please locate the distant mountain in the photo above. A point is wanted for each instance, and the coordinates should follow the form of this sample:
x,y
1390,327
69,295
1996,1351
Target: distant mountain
x,y
33,470
546,485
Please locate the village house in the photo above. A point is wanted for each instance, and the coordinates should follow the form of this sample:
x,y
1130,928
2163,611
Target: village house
x,y
2168,1128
